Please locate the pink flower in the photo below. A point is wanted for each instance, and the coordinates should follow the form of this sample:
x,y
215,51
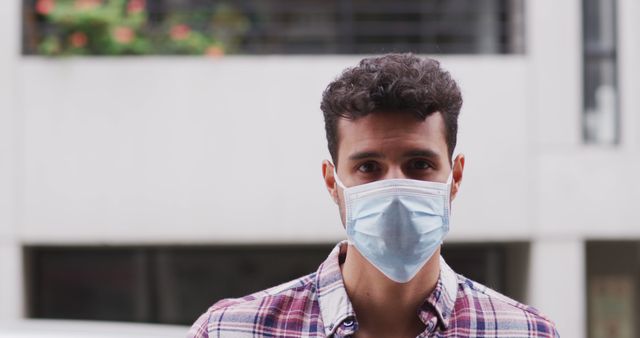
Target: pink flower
x,y
214,51
45,7
135,6
123,34
78,39
180,32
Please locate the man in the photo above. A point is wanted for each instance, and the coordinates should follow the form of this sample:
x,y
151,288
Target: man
x,y
391,125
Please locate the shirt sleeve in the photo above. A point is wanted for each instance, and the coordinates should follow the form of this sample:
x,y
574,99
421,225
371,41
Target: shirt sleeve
x,y
199,328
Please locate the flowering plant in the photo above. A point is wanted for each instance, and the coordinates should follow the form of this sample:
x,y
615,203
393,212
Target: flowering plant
x,y
121,27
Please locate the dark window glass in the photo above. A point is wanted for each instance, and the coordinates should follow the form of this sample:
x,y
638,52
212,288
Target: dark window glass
x,y
70,27
156,284
90,284
500,266
613,288
176,284
191,280
601,118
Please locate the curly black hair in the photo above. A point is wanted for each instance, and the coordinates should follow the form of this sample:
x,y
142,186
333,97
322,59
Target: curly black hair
x,y
392,83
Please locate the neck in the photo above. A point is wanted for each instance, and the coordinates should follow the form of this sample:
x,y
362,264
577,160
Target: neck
x,y
382,305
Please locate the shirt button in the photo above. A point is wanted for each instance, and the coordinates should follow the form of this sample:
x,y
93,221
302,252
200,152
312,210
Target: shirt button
x,y
348,323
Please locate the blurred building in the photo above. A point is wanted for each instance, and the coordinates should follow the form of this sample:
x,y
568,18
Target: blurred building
x,y
140,188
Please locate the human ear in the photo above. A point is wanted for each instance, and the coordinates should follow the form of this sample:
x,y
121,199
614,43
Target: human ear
x,y
458,169
330,180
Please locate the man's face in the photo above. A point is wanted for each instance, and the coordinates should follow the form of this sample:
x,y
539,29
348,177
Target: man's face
x,y
383,146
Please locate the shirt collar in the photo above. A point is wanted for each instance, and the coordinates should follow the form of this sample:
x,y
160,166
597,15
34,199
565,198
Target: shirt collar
x,y
334,303
443,297
335,306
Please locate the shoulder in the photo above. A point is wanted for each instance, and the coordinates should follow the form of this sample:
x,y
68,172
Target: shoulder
x,y
279,299
499,313
285,305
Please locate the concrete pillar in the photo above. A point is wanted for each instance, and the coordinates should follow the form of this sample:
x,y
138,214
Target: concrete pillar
x,y
557,283
628,72
12,305
11,294
557,257
554,48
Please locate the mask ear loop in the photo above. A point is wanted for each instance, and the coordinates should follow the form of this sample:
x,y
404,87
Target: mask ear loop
x,y
335,176
449,185
340,184
450,178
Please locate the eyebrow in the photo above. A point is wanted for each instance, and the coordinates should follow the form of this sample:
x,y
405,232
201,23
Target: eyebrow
x,y
428,153
365,154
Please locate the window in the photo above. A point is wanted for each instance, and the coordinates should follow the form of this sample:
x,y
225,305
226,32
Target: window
x,y
176,284
613,288
500,266
114,27
156,284
601,119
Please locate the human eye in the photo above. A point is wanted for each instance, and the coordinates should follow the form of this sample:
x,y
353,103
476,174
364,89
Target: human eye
x,y
368,167
420,165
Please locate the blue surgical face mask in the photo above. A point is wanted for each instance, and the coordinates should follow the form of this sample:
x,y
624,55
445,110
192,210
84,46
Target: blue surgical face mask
x,y
397,224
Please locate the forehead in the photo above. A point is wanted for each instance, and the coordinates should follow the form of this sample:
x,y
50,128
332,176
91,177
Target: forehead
x,y
391,132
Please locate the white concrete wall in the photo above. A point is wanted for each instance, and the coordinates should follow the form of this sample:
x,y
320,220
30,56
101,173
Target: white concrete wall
x,y
194,150
11,297
579,191
175,150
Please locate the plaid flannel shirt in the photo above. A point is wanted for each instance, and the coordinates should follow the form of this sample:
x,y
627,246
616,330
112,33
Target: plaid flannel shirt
x,y
317,305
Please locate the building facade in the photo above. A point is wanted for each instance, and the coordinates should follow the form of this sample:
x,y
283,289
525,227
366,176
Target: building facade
x,y
159,152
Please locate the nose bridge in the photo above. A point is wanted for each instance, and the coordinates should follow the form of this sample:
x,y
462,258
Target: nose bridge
x,y
394,171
